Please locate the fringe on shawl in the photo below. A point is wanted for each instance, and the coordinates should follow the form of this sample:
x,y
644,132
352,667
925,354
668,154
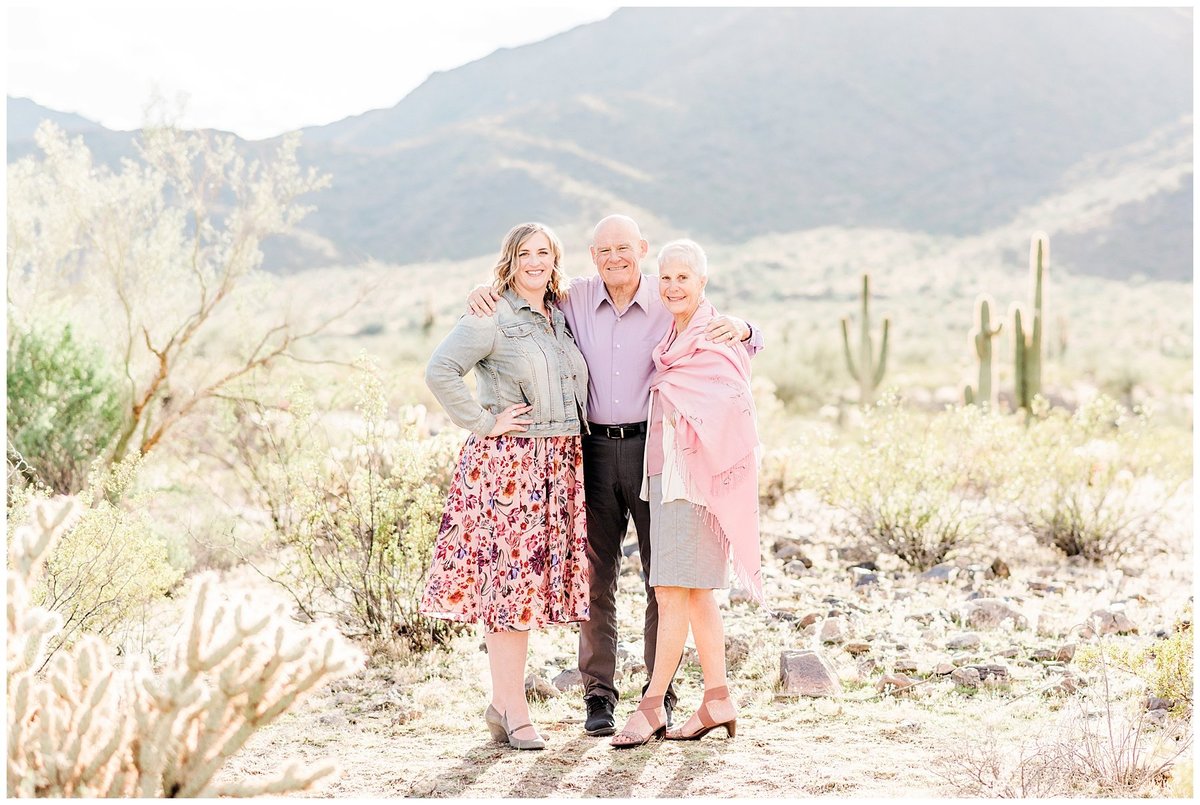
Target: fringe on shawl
x,y
750,580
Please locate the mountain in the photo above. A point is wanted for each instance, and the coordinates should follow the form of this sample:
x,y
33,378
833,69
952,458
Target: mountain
x,y
730,124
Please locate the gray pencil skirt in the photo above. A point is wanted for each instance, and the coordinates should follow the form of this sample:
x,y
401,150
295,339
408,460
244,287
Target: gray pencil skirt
x,y
684,551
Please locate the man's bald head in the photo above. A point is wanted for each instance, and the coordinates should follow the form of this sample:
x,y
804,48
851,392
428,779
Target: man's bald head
x,y
618,223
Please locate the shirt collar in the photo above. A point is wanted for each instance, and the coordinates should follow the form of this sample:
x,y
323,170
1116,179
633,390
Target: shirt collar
x,y
642,297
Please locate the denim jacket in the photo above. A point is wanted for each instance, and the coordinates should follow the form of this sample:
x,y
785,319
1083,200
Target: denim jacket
x,y
516,360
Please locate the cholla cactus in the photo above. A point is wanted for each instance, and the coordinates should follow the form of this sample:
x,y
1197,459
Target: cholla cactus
x,y
85,728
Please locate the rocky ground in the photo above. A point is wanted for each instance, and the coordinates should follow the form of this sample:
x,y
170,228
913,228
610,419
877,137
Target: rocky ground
x,y
862,678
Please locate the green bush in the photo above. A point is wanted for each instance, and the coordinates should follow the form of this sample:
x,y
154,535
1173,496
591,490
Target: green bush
x,y
1090,483
108,566
357,524
64,407
909,485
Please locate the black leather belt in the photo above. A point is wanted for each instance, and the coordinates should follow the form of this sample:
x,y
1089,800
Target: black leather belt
x,y
618,431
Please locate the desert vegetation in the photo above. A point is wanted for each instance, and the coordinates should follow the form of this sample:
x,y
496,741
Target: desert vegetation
x,y
979,522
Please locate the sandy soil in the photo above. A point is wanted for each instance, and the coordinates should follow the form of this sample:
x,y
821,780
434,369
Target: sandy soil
x,y
415,728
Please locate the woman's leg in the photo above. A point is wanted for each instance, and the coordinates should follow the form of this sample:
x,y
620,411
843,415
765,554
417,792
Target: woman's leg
x,y
709,633
507,652
672,632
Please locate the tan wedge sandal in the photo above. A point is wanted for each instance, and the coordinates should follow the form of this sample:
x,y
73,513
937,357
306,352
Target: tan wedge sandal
x,y
707,722
658,726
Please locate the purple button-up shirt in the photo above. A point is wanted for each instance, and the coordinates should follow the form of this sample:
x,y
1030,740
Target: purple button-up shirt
x,y
618,346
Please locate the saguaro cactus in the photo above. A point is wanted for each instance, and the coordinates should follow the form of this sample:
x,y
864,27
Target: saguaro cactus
x,y
868,371
981,340
1027,347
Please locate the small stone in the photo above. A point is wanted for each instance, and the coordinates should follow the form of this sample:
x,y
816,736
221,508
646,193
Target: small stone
x,y
796,568
1157,717
943,668
1000,568
537,688
1044,588
1067,686
737,650
967,677
1010,652
866,667
991,671
857,647
905,664
964,642
871,566
1043,655
787,551
939,573
567,679
987,613
740,595
334,720
1158,703
809,619
807,673
834,630
1065,653
897,682
1107,621
866,579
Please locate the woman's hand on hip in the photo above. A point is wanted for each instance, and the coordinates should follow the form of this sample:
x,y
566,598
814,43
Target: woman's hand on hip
x,y
510,420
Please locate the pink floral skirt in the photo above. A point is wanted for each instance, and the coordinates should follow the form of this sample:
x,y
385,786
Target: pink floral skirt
x,y
512,548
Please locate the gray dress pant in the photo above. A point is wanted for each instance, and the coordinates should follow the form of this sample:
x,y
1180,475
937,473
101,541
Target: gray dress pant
x,y
612,479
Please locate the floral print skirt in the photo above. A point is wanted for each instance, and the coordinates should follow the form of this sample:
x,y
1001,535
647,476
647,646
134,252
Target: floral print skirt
x,y
512,548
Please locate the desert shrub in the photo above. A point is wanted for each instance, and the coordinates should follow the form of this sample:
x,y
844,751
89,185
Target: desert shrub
x,y
87,729
64,406
1085,482
1164,666
357,525
909,484
108,565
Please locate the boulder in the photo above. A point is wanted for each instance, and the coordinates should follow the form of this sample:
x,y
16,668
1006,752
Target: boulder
x,y
807,673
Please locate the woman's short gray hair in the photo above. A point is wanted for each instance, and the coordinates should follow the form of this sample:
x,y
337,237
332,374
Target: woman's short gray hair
x,y
688,251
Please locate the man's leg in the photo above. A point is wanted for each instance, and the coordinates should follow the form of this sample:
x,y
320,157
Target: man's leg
x,y
606,523
632,465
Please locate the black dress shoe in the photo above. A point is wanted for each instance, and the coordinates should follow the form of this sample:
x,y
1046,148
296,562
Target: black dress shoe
x,y
599,716
669,706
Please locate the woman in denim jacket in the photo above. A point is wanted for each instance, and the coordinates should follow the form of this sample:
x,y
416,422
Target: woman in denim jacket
x,y
512,548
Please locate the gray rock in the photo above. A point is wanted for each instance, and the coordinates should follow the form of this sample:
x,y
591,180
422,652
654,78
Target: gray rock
x,y
1045,588
807,673
1157,703
737,651
334,720
538,689
1157,717
991,671
964,642
942,573
1010,652
988,613
866,579
796,568
570,678
943,669
738,595
787,551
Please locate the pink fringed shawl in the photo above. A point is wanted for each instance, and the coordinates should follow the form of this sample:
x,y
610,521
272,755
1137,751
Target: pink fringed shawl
x,y
707,385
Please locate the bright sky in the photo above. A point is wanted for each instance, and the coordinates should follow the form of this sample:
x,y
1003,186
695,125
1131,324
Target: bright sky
x,y
255,67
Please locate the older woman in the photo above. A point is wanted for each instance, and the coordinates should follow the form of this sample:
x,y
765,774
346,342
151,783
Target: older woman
x,y
702,483
512,548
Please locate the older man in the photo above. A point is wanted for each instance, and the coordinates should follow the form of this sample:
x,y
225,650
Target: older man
x,y
617,318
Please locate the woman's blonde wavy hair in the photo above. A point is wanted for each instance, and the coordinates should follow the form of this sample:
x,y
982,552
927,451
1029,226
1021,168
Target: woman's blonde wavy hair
x,y
506,265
